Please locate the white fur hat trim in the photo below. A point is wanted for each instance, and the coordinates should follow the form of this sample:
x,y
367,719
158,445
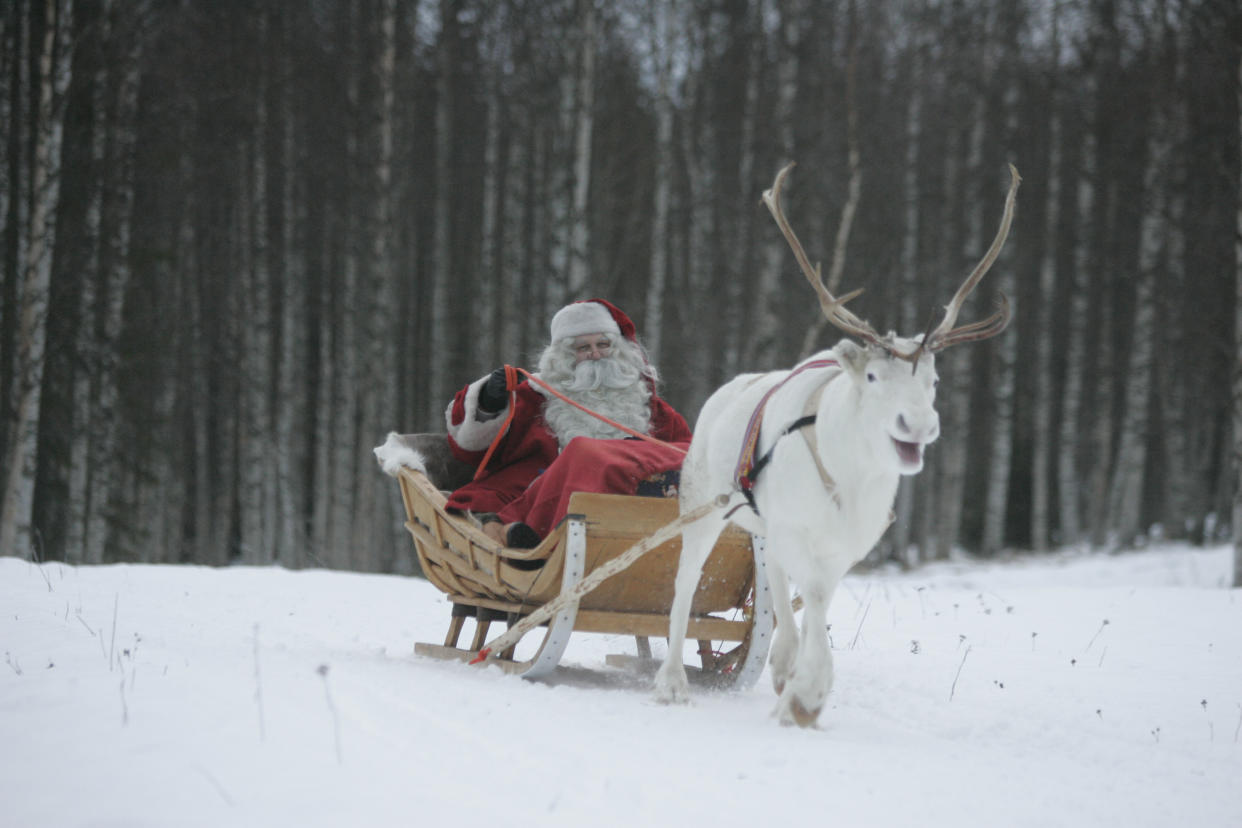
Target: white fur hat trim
x,y
583,318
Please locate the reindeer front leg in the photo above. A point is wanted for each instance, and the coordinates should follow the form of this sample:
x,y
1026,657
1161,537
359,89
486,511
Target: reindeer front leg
x,y
671,686
807,689
785,643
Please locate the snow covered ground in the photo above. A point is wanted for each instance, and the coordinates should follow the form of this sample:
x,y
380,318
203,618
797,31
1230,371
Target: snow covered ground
x,y
1069,690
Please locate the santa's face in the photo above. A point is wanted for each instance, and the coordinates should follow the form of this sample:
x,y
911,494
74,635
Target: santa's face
x,y
591,346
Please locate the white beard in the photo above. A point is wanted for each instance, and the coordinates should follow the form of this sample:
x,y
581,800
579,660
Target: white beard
x,y
598,385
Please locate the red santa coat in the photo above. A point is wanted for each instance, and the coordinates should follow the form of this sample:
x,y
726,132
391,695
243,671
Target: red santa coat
x,y
530,479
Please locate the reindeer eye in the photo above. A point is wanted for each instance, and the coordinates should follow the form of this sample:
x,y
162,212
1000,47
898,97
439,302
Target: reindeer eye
x,y
871,377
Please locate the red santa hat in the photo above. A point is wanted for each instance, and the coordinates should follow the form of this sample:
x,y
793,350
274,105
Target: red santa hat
x,y
591,316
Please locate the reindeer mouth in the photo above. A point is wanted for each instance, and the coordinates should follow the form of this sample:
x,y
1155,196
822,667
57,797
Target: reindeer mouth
x,y
910,454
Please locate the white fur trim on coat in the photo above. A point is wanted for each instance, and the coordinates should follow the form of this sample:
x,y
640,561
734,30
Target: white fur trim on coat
x,y
395,453
477,429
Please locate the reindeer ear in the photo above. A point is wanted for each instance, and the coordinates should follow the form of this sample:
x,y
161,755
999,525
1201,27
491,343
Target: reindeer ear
x,y
852,356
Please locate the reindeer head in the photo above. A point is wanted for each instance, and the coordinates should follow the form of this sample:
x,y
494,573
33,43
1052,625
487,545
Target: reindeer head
x,y
894,398
895,406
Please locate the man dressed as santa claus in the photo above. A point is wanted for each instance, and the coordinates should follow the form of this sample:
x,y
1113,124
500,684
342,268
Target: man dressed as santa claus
x,y
548,448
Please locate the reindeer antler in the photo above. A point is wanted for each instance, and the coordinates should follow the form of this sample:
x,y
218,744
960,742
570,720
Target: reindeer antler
x,y
834,309
945,334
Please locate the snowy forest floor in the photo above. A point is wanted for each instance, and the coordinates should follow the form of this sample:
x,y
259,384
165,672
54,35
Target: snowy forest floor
x,y
1071,689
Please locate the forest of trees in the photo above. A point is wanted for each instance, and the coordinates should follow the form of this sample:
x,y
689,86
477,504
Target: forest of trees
x,y
244,239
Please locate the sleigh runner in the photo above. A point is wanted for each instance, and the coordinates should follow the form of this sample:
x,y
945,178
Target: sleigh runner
x,y
486,582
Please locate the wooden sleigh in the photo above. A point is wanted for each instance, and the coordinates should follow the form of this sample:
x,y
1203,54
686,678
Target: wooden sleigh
x,y
730,616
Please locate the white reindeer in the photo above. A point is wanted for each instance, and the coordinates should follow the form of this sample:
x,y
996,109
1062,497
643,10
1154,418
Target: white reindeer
x,y
830,443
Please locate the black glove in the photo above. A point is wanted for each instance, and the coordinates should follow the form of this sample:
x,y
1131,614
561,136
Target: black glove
x,y
494,395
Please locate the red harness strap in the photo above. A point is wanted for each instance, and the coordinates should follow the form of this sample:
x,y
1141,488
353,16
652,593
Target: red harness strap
x,y
747,469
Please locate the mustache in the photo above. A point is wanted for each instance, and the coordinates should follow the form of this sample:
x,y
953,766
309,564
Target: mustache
x,y
593,375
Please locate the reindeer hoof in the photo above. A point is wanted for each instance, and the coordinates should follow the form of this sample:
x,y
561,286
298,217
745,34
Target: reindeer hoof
x,y
674,690
803,717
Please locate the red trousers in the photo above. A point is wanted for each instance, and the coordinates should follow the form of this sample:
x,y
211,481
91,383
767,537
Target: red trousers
x,y
589,465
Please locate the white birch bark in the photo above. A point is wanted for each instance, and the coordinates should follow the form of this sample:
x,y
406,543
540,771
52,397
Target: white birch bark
x,y
336,427
6,123
849,209
967,187
693,293
1237,364
746,224
377,530
255,498
198,549
1044,401
79,495
495,294
1185,500
291,537
557,202
766,323
1126,488
16,537
324,479
902,530
117,230
440,384
954,367
584,124
343,437
662,53
1003,368
1069,478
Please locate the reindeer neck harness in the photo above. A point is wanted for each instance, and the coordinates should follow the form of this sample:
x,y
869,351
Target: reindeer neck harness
x,y
746,473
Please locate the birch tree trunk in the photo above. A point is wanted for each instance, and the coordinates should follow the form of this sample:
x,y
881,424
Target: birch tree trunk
x,y
584,122
1069,478
744,236
766,324
662,53
255,503
854,158
1126,486
16,194
911,192
1003,368
8,53
1237,363
1041,447
290,437
79,495
345,339
1069,481
691,293
54,63
497,293
955,363
377,526
117,222
1185,498
440,385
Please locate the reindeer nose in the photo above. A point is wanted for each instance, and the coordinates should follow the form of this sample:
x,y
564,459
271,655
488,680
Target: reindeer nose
x,y
927,430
